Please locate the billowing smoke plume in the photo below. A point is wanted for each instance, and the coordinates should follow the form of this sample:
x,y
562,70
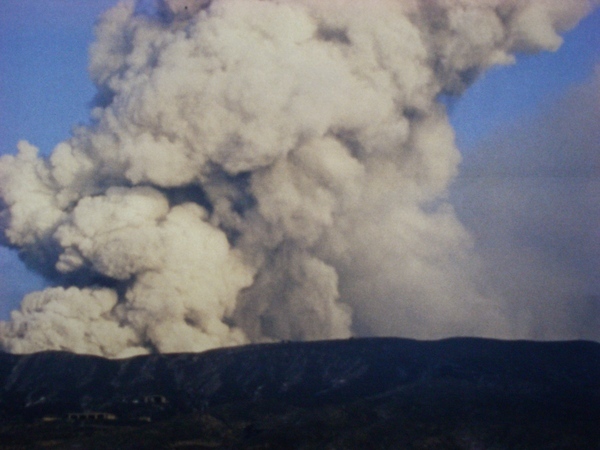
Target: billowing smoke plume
x,y
259,170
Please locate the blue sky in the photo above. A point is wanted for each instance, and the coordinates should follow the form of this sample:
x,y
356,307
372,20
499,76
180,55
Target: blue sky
x,y
45,90
506,94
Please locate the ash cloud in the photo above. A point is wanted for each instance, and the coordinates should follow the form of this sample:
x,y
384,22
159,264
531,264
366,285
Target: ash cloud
x,y
261,170
536,208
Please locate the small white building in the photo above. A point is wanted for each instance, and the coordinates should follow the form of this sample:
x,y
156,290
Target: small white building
x,y
91,417
155,400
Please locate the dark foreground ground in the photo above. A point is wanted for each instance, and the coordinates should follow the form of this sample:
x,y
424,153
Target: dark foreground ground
x,y
355,394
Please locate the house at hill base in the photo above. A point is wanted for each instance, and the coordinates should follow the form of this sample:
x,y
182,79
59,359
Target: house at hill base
x,y
155,400
91,417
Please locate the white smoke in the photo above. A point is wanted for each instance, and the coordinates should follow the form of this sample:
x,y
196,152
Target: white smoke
x,y
260,170
537,208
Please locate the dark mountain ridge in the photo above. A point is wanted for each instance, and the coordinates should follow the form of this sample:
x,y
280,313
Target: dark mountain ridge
x,y
466,378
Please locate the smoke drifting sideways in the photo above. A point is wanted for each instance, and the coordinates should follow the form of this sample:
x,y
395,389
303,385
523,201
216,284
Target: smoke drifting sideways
x,y
536,211
262,170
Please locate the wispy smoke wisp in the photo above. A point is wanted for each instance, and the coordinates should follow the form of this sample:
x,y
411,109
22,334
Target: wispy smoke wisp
x,y
261,170
534,216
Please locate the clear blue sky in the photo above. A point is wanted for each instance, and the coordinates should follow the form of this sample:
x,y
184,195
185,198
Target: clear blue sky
x,y
45,90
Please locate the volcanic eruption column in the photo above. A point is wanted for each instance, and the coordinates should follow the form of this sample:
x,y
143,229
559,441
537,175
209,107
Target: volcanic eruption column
x,y
257,170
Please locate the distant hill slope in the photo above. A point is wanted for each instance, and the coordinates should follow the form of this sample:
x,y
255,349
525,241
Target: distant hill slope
x,y
486,388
